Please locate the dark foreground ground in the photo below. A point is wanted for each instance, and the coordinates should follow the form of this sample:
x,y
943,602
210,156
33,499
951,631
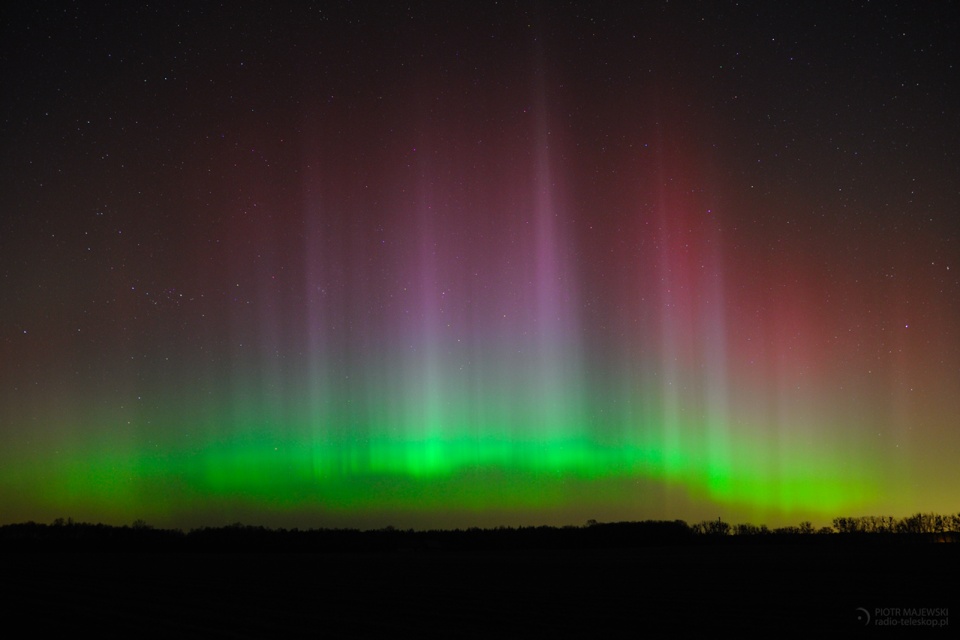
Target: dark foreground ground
x,y
657,591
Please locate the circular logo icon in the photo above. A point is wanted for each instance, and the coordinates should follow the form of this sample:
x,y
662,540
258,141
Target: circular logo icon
x,y
863,615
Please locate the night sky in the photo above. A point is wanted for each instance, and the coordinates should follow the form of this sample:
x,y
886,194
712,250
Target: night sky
x,y
477,264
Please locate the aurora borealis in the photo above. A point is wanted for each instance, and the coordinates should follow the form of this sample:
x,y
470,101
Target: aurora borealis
x,y
434,264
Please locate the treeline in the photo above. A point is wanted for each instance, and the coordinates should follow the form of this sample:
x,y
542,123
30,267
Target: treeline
x,y
920,523
65,534
945,527
69,535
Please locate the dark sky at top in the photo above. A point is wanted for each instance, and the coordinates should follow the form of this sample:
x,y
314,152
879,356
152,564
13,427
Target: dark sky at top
x,y
838,118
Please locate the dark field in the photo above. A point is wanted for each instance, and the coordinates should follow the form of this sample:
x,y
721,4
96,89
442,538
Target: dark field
x,y
769,590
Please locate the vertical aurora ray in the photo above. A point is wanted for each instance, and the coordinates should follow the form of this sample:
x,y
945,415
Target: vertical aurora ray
x,y
470,275
693,335
422,370
556,414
